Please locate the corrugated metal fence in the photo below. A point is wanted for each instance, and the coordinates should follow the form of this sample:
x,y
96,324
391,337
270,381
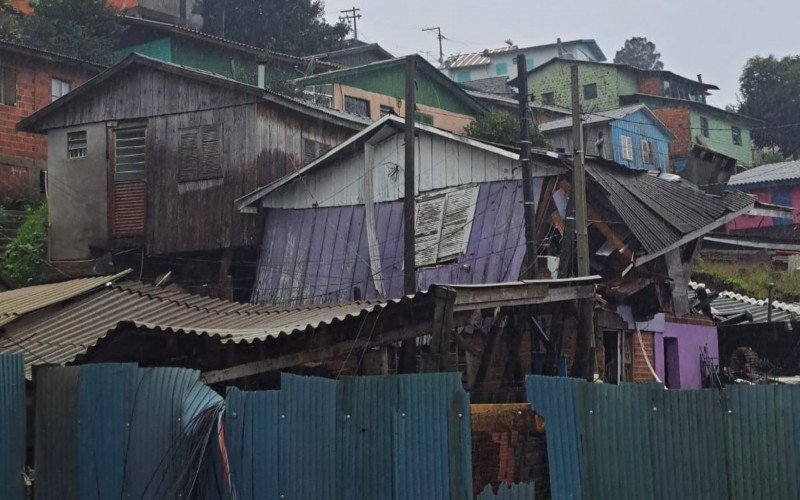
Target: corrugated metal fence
x,y
516,491
12,427
641,441
120,431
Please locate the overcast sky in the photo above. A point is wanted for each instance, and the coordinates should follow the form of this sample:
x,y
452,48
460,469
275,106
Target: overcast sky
x,y
712,37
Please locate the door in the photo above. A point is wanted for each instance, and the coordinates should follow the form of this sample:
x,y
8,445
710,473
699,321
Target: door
x,y
128,203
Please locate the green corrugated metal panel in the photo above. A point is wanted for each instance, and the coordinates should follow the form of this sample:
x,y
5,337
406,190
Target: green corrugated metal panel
x,y
217,60
641,441
160,49
516,491
12,426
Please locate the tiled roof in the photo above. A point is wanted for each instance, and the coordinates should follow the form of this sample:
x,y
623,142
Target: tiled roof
x,y
492,85
729,304
16,303
772,173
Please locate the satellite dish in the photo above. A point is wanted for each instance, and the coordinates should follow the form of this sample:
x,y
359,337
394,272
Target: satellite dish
x,y
196,22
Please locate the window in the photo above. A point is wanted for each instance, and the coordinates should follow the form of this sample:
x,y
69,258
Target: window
x,y
704,126
313,149
8,86
200,153
736,134
356,106
501,68
59,88
549,98
423,118
647,152
386,110
627,147
129,154
76,145
590,91
443,225
463,76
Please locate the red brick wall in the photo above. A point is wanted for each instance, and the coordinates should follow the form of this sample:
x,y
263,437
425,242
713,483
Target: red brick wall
x,y
641,373
677,121
34,77
650,85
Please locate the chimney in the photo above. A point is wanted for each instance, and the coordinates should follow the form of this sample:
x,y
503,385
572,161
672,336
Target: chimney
x,y
560,49
700,78
262,75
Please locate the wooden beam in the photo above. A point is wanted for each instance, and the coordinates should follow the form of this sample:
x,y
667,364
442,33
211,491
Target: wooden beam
x,y
597,220
439,347
511,295
680,298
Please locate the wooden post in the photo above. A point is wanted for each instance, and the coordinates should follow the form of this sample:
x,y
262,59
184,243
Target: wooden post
x,y
586,306
408,349
439,347
529,205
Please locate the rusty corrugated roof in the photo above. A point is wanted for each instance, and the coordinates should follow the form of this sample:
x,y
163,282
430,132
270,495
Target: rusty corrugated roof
x,y
15,303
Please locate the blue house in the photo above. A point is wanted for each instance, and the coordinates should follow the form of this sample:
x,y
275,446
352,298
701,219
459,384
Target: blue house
x,y
632,136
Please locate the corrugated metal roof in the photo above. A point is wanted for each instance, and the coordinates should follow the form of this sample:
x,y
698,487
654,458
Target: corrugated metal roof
x,y
767,174
635,441
15,303
42,53
729,304
12,426
476,58
659,213
497,85
606,116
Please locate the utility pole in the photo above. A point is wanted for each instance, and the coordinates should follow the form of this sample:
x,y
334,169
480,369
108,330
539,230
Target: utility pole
x,y
585,306
351,15
440,37
408,348
529,205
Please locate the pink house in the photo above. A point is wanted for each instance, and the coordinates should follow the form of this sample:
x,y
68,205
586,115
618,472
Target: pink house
x,y
776,183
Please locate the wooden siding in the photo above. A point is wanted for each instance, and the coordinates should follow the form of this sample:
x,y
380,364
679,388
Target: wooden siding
x,y
129,212
441,163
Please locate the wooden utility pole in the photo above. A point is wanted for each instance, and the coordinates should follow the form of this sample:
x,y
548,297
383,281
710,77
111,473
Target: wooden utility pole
x,y
408,348
585,306
351,15
529,213
439,35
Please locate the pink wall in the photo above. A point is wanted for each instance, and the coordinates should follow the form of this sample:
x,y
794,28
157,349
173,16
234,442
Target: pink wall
x,y
765,195
690,339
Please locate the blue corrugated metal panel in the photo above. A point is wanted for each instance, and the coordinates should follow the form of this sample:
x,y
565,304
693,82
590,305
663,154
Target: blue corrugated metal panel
x,y
641,441
12,426
307,434
555,399
516,491
104,403
251,434
314,256
56,458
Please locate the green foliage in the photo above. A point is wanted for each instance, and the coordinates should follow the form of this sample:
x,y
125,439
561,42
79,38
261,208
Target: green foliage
x,y
639,53
24,260
771,156
279,80
768,90
291,26
9,21
86,29
502,128
752,280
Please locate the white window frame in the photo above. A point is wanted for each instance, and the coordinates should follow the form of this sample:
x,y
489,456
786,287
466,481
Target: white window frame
x,y
59,88
647,152
77,145
627,147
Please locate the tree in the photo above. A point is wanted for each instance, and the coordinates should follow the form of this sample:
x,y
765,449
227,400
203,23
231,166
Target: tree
x,y
291,26
501,128
24,260
9,21
769,90
639,53
85,29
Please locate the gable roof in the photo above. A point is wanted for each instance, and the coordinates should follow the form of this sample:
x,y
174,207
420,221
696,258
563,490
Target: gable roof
x,y
482,58
29,124
626,67
421,66
381,53
186,32
386,126
29,51
772,173
606,117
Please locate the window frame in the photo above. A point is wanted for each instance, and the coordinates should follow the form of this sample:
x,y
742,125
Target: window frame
x,y
8,87
80,145
647,153
627,153
359,100
423,118
202,170
61,84
589,86
548,98
119,134
736,135
704,127
501,68
385,109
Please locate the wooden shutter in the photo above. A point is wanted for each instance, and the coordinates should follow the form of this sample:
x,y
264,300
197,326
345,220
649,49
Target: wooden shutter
x,y
429,224
627,147
129,192
647,152
456,223
211,152
9,86
200,153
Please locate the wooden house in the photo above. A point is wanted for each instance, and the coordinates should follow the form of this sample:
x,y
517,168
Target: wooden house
x,y
151,155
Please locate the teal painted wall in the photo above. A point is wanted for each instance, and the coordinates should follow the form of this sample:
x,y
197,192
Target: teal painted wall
x,y
720,137
157,49
391,81
611,81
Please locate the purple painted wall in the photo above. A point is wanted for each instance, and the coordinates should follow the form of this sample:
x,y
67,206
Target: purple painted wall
x,y
690,340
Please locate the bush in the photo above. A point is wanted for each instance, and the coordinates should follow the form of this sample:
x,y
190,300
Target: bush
x,y
24,260
501,128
